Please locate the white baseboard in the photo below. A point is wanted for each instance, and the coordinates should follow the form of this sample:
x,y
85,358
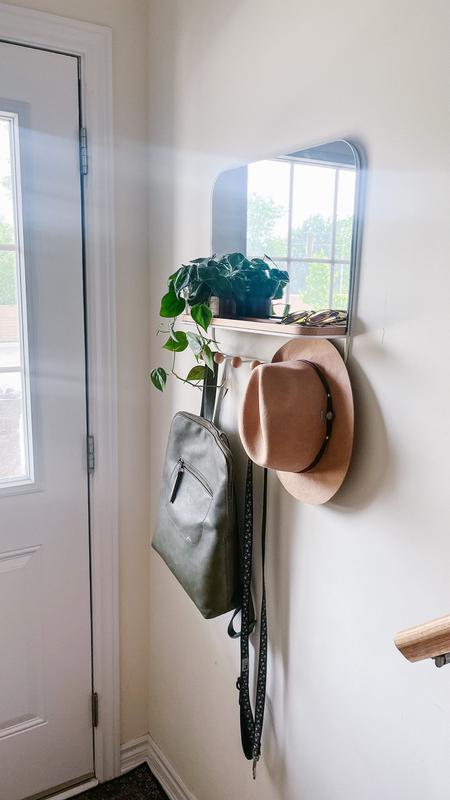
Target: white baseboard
x,y
134,753
145,751
82,787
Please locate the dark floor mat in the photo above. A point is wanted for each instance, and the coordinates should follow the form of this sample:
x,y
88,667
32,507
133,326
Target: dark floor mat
x,y
138,784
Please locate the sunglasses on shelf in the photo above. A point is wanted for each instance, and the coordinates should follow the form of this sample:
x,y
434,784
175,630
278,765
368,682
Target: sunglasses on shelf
x,y
316,319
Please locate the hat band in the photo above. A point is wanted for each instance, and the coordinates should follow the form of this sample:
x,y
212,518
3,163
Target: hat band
x,y
329,416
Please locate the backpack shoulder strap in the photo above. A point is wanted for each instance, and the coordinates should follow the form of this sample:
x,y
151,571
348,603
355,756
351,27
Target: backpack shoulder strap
x,y
209,393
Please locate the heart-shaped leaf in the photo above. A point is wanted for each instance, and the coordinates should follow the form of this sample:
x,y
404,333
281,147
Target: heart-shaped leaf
x,y
199,293
158,377
279,274
219,285
181,279
202,315
196,374
177,342
200,260
208,357
195,342
236,259
259,263
171,305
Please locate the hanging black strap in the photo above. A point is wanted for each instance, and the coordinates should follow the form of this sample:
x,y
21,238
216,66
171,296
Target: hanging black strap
x,y
252,726
209,393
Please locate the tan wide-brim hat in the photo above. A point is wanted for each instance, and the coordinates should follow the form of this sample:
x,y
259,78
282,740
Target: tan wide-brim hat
x,y
283,421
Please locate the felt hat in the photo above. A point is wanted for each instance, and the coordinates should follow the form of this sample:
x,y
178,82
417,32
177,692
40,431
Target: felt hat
x,y
297,418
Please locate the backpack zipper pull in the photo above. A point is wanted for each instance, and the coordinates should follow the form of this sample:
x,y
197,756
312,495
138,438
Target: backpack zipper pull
x,y
177,480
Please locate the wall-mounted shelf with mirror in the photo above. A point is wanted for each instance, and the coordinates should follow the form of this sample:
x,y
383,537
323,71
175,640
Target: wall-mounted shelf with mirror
x,y
303,211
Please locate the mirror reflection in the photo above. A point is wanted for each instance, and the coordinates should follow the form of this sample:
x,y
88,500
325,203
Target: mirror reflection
x,y
298,209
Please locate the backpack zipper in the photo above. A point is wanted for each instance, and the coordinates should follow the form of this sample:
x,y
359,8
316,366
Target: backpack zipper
x,y
182,466
222,441
177,480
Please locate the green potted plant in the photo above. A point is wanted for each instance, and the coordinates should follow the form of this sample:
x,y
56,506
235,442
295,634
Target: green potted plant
x,y
207,286
233,285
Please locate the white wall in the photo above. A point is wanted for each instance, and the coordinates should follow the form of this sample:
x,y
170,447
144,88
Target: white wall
x,y
347,716
130,46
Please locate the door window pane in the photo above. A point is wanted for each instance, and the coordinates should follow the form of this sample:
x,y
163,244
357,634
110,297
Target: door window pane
x,y
12,430
6,187
16,457
9,312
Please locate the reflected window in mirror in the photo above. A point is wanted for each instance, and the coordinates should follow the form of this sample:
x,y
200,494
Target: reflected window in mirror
x,y
299,209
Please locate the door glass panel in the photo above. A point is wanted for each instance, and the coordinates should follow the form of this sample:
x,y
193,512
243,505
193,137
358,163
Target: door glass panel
x,y
9,312
16,457
6,187
12,433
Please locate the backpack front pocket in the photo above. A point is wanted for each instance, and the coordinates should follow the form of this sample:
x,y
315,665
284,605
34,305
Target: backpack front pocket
x,y
190,497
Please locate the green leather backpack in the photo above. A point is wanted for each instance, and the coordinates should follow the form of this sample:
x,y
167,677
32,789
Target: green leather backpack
x,y
197,531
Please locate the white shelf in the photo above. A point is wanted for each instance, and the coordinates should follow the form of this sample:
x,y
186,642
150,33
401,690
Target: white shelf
x,y
265,327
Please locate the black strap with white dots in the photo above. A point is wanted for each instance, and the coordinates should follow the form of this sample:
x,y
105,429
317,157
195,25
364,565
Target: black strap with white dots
x,y
251,727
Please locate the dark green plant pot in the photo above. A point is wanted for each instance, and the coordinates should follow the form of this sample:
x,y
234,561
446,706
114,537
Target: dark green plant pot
x,y
227,307
254,307
224,307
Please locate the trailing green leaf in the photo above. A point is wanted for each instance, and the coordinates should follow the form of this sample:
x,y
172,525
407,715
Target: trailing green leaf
x,y
181,279
202,315
158,377
208,357
171,305
177,342
195,342
196,374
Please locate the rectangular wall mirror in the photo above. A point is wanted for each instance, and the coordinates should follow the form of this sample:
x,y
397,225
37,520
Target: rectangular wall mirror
x,y
302,210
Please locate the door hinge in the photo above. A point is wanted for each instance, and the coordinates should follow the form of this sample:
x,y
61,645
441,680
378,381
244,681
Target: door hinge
x,y
94,709
90,453
83,151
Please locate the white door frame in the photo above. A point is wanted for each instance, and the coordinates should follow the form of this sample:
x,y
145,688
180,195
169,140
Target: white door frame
x,y
93,45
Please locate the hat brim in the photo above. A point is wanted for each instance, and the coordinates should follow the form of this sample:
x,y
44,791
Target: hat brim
x,y
319,485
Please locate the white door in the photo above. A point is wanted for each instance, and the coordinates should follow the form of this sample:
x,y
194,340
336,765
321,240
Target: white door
x,y
46,737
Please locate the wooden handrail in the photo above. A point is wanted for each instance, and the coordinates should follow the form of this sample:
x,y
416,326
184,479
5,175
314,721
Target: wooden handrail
x,y
425,641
